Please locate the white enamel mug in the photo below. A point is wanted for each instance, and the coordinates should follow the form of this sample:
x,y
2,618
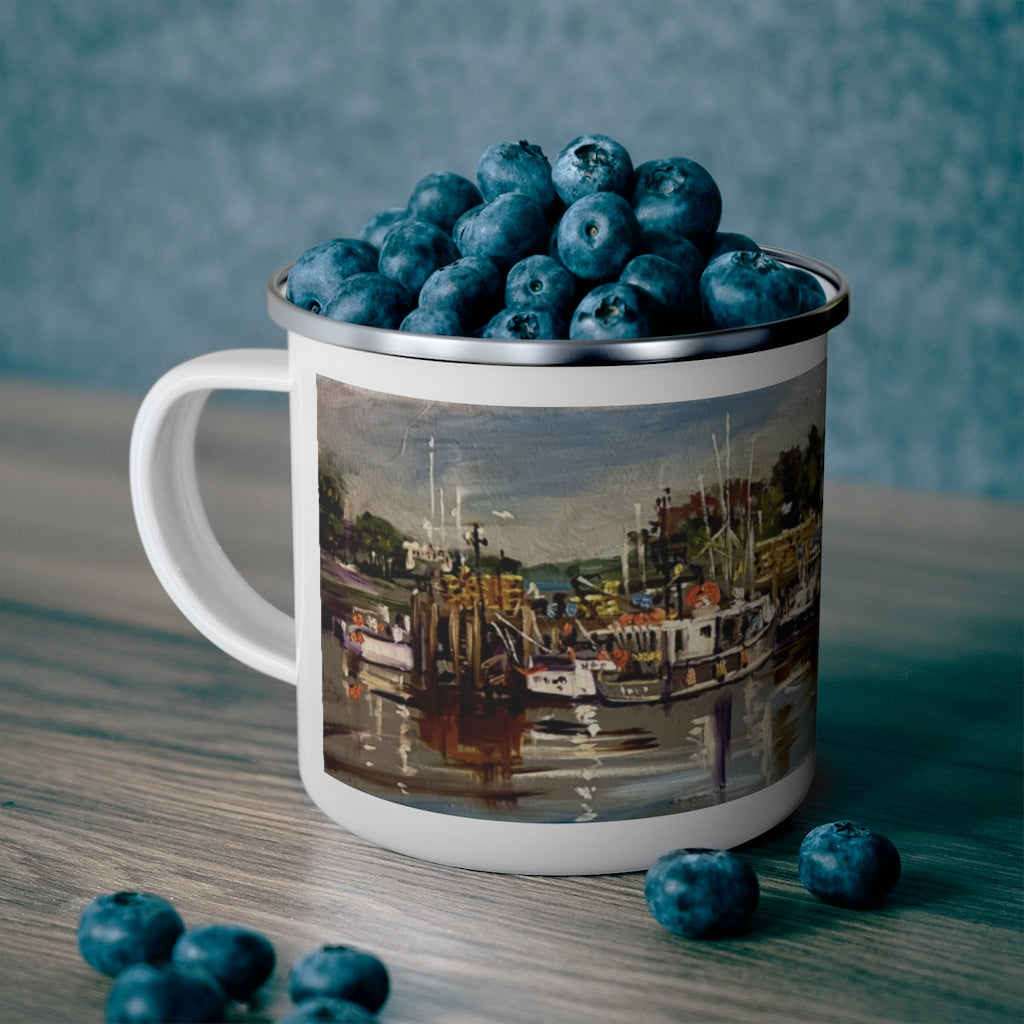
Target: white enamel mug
x,y
556,603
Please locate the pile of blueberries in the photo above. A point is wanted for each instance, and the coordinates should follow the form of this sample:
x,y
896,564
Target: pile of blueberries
x,y
584,247
166,973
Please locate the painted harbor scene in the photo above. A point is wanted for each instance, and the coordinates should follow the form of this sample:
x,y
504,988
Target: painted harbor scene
x,y
569,614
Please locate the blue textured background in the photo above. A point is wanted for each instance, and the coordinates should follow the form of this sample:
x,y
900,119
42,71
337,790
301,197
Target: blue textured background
x,y
160,160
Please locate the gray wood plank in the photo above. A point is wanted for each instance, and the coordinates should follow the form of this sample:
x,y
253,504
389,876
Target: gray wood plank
x,y
136,755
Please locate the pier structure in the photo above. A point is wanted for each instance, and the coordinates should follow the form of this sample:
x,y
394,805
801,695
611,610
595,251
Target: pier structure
x,y
783,560
471,629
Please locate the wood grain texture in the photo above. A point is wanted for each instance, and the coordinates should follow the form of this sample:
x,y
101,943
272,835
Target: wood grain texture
x,y
133,754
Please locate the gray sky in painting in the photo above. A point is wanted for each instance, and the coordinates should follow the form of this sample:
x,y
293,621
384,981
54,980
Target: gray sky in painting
x,y
549,484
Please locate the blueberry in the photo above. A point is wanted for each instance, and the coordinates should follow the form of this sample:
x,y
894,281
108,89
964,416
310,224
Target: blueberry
x,y
371,299
592,163
609,312
516,167
341,972
702,894
739,289
327,1010
374,230
812,295
679,250
677,196
674,292
526,323
471,287
504,230
730,241
316,276
442,198
412,250
440,321
597,236
164,994
239,959
543,282
119,929
848,865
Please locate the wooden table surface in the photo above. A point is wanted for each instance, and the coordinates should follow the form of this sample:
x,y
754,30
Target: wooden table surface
x,y
135,755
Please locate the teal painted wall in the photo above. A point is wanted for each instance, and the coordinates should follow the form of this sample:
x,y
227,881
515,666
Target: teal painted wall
x,y
159,160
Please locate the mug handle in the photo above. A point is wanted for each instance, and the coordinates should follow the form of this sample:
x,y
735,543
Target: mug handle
x,y
172,522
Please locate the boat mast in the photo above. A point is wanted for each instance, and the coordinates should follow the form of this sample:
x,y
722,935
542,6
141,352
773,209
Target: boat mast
x,y
625,559
707,523
727,556
641,548
749,568
458,515
728,501
430,528
440,498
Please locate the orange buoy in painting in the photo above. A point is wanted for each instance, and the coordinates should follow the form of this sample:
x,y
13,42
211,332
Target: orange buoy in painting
x,y
703,594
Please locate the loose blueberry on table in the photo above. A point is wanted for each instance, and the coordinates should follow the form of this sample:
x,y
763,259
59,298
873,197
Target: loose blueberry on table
x,y
327,1010
239,959
119,929
701,894
848,865
166,993
340,972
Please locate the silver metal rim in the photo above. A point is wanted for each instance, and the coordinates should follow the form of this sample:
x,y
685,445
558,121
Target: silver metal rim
x,y
708,344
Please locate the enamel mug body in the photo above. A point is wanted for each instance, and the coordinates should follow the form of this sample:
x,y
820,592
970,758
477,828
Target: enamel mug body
x,y
556,603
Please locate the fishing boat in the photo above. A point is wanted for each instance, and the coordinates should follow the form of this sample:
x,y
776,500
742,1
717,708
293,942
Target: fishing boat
x,y
713,645
571,676
375,639
570,681
799,601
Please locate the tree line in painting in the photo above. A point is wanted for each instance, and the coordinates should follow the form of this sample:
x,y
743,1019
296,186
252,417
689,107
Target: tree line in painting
x,y
675,535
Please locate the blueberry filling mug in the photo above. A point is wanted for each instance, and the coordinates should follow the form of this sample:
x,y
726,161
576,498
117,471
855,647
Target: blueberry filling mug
x,y
556,602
